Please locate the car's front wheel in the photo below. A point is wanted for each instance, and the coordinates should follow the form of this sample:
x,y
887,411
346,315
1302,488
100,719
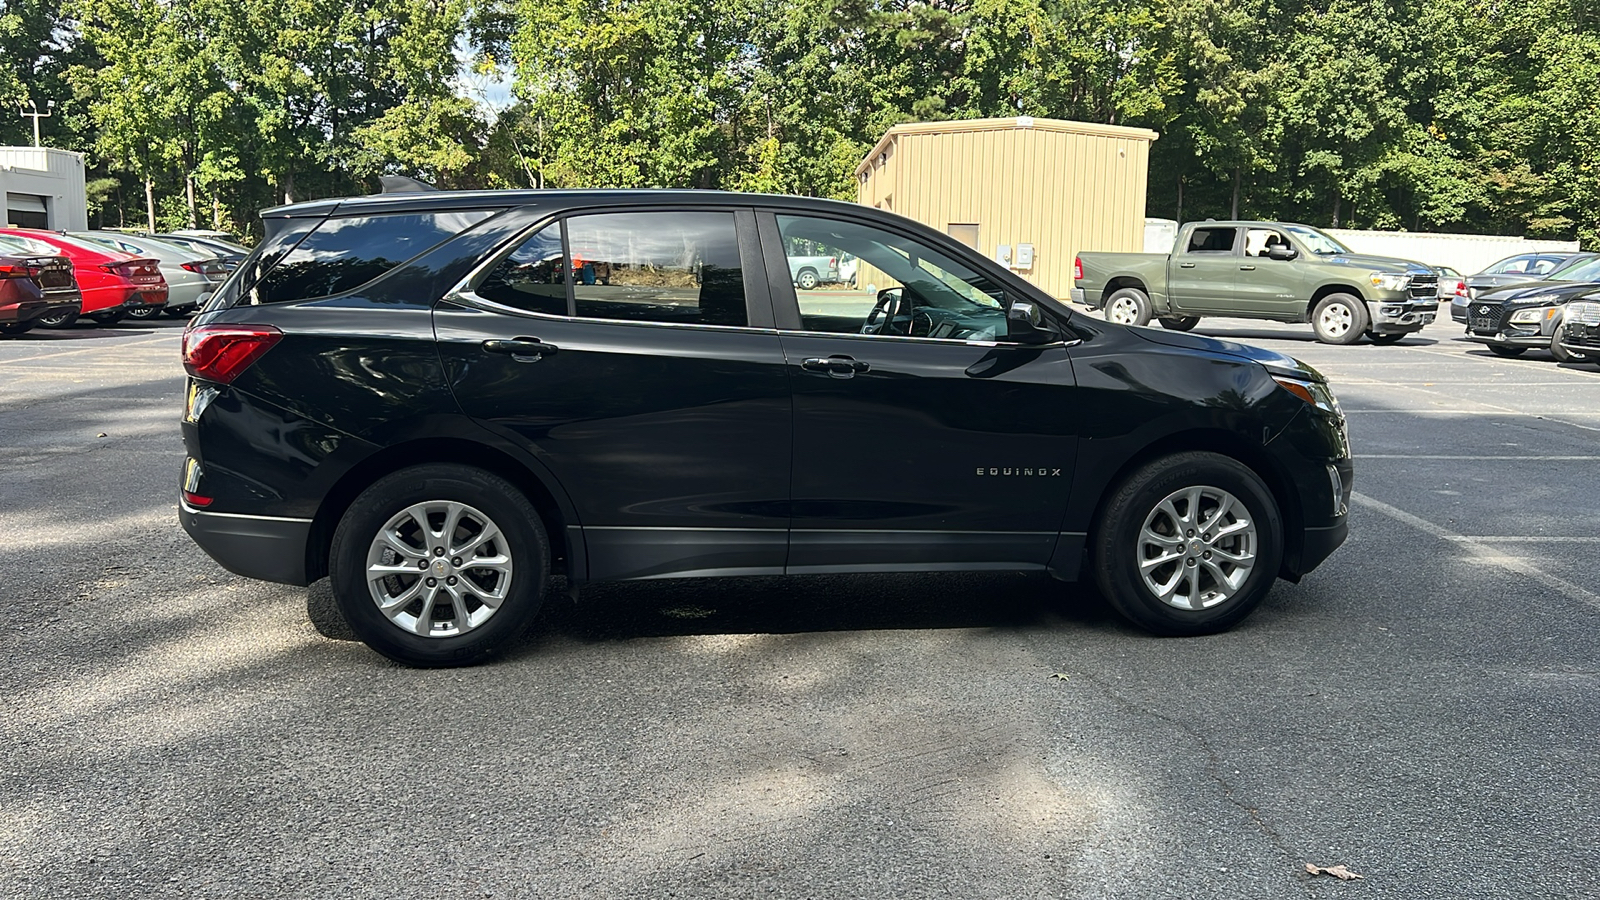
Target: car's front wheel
x,y
1188,544
1179,323
439,565
1505,352
1339,319
1562,354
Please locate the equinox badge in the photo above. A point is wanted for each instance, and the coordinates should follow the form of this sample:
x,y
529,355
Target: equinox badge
x,y
1027,472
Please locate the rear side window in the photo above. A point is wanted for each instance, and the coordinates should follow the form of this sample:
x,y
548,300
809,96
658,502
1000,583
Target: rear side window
x,y
672,267
1211,240
344,253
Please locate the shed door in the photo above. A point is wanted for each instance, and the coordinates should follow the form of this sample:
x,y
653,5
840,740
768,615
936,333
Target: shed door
x,y
26,211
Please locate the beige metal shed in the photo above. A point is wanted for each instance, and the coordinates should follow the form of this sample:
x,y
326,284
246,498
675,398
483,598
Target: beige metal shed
x,y
1027,192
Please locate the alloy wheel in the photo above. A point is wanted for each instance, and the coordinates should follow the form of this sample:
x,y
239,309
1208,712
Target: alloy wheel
x,y
439,569
1197,548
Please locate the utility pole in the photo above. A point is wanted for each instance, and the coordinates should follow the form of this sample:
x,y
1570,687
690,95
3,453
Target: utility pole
x,y
36,115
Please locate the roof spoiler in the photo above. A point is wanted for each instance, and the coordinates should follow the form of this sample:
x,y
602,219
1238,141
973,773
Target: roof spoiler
x,y
400,184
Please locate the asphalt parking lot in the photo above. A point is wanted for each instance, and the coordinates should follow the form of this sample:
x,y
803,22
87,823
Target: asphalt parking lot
x,y
1423,709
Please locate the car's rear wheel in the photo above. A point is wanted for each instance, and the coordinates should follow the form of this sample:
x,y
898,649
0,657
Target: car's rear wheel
x,y
11,328
807,279
1179,323
58,320
1562,354
144,313
1188,544
1381,339
1339,319
439,565
1128,306
111,318
1506,352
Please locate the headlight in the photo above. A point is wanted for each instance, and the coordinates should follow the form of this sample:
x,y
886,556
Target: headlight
x,y
1313,392
1391,282
1533,316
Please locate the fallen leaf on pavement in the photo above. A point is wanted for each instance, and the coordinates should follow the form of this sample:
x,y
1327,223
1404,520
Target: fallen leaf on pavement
x,y
1339,872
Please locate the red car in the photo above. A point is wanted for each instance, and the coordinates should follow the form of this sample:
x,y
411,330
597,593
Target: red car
x,y
33,285
112,282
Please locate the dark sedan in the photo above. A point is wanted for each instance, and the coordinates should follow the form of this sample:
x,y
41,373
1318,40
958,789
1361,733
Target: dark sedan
x,y
35,284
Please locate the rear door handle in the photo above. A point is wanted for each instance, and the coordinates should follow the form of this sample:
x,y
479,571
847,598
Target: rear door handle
x,y
522,349
837,366
1185,265
1247,268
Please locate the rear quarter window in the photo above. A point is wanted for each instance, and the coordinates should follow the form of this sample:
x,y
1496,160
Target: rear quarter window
x,y
342,253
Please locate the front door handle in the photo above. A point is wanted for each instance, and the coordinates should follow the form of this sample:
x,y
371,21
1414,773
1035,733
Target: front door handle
x,y
1185,265
522,349
839,366
1247,268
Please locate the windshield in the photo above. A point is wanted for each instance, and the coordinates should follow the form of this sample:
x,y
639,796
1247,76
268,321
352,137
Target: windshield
x,y
1316,241
1578,270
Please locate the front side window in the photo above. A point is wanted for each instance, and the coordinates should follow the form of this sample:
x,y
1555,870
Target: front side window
x,y
346,252
533,277
901,287
1260,241
677,268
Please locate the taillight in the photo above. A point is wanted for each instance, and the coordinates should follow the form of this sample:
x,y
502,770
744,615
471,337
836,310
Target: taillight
x,y
221,352
1077,269
10,271
122,269
205,267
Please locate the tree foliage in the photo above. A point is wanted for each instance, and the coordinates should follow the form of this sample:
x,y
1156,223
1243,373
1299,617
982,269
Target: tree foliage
x,y
1469,115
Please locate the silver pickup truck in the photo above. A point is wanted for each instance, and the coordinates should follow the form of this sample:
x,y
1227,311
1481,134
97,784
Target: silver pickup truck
x,y
1262,270
810,271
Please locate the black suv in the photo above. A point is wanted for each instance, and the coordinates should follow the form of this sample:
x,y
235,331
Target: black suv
x,y
1513,319
440,399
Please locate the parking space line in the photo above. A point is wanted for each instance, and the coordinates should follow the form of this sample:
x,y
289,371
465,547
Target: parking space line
x,y
1481,553
1503,458
1528,539
97,349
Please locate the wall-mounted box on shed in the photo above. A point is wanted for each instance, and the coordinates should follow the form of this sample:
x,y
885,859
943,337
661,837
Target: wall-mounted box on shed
x,y
1052,186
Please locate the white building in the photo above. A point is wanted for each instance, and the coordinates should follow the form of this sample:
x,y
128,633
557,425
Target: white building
x,y
43,188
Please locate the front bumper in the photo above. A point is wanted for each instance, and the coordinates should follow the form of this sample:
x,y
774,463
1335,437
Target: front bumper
x,y
1401,316
269,548
1530,338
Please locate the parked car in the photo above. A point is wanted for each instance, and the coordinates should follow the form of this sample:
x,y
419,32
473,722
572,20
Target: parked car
x,y
1580,328
809,271
111,282
1279,271
1513,319
1517,269
34,283
412,395
190,278
227,252
1453,290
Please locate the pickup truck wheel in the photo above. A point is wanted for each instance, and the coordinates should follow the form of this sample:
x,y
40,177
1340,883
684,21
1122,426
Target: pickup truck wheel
x,y
1339,319
1128,306
439,565
1507,352
1562,355
1382,339
807,279
1188,544
1179,323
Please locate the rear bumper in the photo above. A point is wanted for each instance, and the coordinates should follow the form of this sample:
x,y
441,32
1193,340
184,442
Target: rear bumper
x,y
269,548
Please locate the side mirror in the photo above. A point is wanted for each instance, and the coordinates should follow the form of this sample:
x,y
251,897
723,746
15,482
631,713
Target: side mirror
x,y
1282,254
1027,323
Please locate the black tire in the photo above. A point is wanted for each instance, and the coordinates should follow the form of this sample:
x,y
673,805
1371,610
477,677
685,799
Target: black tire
x,y
180,312
1179,323
1383,339
1128,306
522,539
110,318
14,328
1339,319
1505,352
144,313
58,320
1563,355
1117,549
807,279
